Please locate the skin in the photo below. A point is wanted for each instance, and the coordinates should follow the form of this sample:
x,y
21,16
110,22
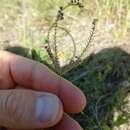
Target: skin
x,y
19,72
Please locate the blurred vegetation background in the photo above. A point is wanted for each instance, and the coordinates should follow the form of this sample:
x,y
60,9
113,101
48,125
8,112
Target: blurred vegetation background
x,y
114,14
24,21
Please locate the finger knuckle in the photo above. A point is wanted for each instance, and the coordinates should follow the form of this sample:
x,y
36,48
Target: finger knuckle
x,y
12,105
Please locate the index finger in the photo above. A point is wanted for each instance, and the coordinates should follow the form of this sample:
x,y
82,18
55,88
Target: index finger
x,y
33,75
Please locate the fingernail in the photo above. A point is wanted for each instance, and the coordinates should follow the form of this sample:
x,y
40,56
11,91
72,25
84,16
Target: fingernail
x,y
47,108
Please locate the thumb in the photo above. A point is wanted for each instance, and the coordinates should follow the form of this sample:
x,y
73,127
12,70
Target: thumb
x,y
27,109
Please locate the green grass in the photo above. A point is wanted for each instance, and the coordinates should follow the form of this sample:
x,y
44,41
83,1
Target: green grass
x,y
102,85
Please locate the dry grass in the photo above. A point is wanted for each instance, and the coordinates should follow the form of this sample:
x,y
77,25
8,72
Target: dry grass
x,y
25,21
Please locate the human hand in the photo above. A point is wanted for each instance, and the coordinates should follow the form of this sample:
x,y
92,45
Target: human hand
x,y
34,97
